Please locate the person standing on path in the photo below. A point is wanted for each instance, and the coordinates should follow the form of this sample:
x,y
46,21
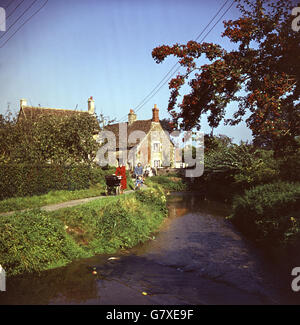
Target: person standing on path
x,y
138,171
121,171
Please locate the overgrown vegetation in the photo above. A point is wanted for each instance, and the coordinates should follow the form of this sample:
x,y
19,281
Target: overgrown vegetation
x,y
48,138
24,179
36,241
269,213
168,183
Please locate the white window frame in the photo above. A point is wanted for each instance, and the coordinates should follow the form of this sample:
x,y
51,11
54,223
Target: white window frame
x,y
156,147
155,163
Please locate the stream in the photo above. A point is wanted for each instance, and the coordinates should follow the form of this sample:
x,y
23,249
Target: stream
x,y
197,257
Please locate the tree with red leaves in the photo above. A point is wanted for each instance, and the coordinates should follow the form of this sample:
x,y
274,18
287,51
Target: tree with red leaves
x,y
262,75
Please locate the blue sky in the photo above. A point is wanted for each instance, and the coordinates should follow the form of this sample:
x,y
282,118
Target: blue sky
x,y
74,49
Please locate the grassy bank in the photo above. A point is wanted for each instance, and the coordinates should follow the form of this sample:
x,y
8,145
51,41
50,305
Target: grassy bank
x,y
168,183
52,197
269,214
35,240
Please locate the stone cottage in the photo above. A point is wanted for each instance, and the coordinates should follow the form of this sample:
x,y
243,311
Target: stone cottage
x,y
143,141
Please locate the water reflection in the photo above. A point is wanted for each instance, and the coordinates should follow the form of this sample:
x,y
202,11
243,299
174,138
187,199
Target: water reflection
x,y
74,282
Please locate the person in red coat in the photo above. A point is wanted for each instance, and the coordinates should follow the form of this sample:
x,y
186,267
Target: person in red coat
x,y
121,171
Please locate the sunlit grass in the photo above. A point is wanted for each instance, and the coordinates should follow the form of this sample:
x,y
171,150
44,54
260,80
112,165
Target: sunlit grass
x,y
52,197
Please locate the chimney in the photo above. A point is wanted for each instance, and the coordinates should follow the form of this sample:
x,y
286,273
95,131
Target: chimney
x,y
91,105
23,102
131,117
155,114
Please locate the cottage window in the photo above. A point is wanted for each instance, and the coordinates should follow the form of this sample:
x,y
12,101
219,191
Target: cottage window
x,y
156,163
156,147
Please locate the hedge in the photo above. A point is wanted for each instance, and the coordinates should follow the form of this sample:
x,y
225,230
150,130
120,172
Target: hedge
x,y
18,180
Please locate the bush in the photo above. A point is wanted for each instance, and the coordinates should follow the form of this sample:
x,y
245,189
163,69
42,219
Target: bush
x,y
34,241
262,169
230,169
153,195
24,179
167,182
290,167
128,222
243,164
269,213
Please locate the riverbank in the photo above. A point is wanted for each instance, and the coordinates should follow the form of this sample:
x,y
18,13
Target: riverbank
x,y
37,240
170,183
197,258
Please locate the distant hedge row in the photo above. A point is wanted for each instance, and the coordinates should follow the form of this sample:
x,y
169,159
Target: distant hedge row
x,y
34,179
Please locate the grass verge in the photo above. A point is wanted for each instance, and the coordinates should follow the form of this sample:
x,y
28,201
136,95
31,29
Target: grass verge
x,y
35,240
52,197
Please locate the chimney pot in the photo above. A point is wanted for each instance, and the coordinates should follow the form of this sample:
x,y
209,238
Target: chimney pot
x,y
23,102
91,105
131,116
155,114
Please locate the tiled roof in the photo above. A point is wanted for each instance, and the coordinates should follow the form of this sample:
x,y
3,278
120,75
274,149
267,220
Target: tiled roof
x,y
139,125
34,112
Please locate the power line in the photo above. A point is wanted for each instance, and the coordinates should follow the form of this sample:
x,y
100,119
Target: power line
x,y
25,22
13,10
18,18
9,4
146,100
155,90
179,66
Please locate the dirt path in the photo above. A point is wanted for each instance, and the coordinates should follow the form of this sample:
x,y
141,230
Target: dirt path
x,y
57,206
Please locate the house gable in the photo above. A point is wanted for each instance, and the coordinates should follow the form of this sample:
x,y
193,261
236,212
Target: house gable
x,y
142,150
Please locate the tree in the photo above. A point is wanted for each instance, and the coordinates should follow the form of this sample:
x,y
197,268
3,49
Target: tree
x,y
266,66
50,139
213,143
167,125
